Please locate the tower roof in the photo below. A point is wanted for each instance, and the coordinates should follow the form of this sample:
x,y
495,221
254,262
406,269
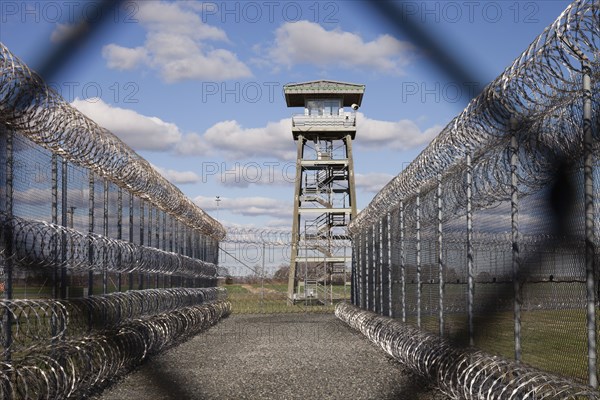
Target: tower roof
x,y
296,93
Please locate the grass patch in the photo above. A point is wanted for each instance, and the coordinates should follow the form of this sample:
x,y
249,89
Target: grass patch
x,y
552,340
272,300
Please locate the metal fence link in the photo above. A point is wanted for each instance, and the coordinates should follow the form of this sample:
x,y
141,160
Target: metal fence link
x,y
495,234
79,212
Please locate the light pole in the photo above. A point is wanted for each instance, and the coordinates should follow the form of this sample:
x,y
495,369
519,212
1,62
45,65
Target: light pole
x,y
218,200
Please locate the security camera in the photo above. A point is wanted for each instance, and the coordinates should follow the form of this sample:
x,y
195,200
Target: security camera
x,y
354,106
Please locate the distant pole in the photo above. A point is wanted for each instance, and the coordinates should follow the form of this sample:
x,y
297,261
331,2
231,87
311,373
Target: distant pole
x,y
218,200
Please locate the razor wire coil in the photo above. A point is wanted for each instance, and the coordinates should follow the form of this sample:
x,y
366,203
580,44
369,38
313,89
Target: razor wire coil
x,y
33,109
460,373
40,244
541,90
72,367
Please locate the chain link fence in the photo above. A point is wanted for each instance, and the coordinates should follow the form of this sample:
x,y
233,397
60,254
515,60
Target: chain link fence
x,y
490,237
103,261
254,263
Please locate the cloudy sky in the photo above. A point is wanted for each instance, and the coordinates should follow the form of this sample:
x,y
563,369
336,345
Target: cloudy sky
x,y
196,87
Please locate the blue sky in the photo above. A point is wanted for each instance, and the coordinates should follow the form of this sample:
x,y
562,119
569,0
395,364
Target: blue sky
x,y
196,87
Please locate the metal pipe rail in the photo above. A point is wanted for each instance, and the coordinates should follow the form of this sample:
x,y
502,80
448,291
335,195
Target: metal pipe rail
x,y
71,368
40,244
460,373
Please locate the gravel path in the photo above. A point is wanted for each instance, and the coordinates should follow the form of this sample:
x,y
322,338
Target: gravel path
x,y
287,356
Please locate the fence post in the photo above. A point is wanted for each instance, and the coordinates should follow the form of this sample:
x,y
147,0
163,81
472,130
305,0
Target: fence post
x,y
54,211
363,269
64,223
402,261
354,276
373,268
589,223
142,229
105,232
361,258
171,244
147,276
470,271
164,230
91,206
380,259
440,253
389,263
8,243
516,260
119,235
131,228
418,257
367,270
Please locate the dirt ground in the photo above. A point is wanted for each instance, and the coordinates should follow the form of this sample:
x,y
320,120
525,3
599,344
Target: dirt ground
x,y
282,356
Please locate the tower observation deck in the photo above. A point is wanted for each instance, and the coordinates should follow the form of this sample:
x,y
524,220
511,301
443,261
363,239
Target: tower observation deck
x,y
324,195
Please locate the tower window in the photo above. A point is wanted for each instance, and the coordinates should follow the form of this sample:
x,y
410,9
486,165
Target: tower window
x,y
324,107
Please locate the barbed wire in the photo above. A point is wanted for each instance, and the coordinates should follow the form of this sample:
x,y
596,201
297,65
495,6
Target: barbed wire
x,y
33,109
40,244
278,237
42,321
70,368
541,91
459,373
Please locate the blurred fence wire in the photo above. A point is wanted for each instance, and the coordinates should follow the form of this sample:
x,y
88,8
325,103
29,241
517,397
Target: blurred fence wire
x,y
489,237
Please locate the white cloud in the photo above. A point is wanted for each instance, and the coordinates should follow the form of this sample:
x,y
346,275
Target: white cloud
x,y
177,177
248,206
280,223
396,135
236,142
138,131
274,140
372,182
124,58
305,42
192,144
242,175
177,45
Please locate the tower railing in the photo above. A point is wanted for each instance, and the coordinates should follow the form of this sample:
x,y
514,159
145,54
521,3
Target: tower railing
x,y
347,120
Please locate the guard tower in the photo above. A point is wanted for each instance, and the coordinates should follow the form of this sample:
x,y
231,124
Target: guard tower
x,y
324,197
